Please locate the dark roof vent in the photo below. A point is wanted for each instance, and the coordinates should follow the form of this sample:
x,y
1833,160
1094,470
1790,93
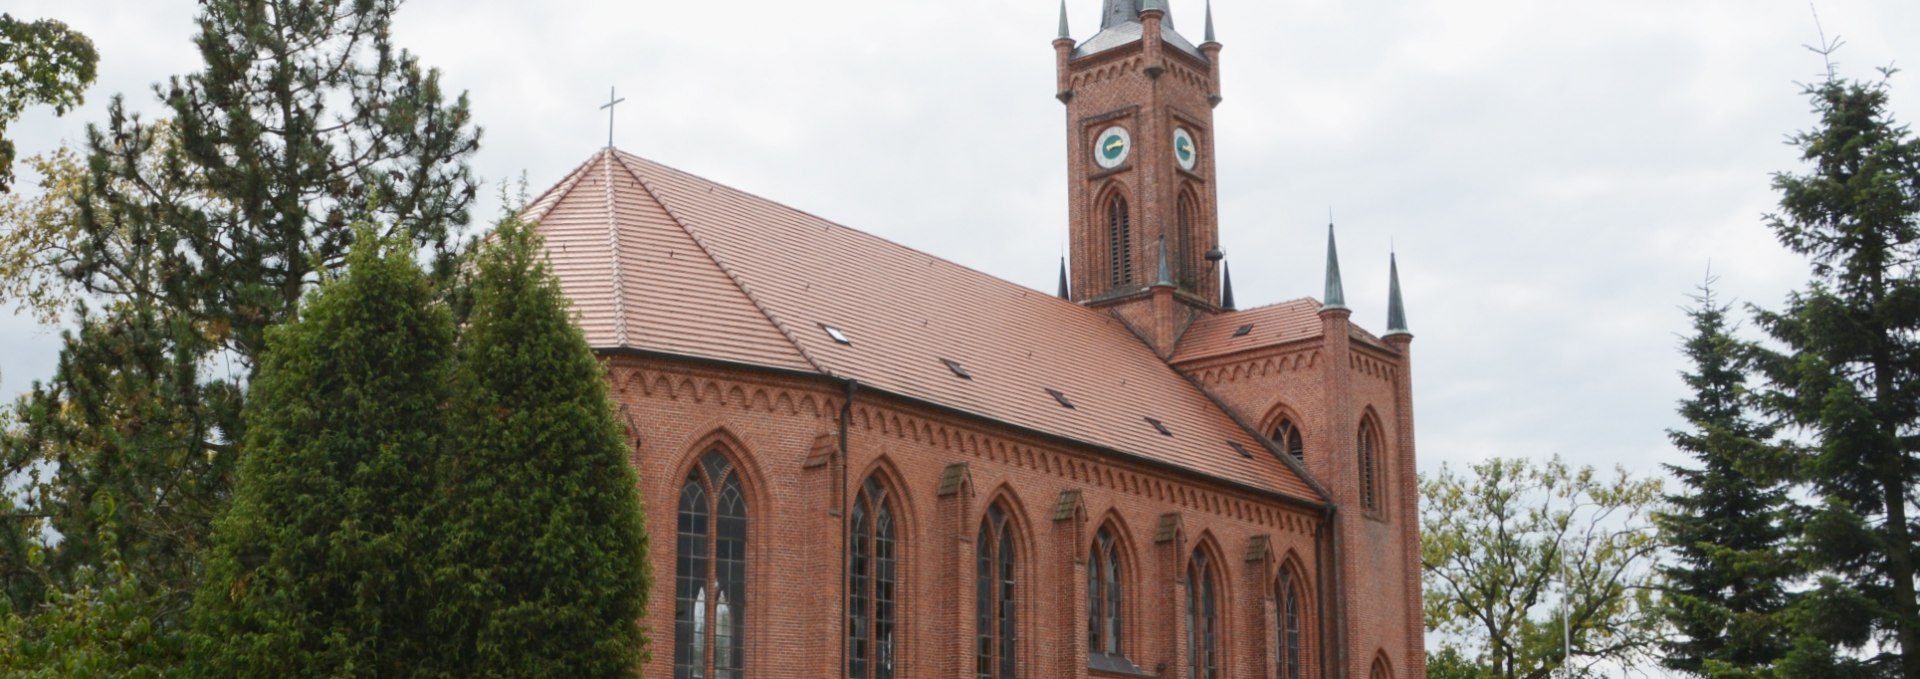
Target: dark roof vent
x,y
957,370
1157,425
1062,398
1243,330
1242,450
835,333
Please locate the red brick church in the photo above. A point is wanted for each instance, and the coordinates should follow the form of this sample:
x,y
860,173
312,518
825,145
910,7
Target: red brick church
x,y
864,461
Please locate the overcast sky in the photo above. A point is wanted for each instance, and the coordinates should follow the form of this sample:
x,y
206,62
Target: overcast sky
x,y
1556,176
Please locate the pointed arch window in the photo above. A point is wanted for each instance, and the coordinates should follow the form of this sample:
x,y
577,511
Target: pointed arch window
x,y
1290,614
1287,436
710,574
1104,595
1380,669
1187,215
873,574
1119,241
994,597
1203,620
1369,465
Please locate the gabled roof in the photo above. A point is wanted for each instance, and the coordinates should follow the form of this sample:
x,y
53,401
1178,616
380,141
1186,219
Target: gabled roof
x,y
660,260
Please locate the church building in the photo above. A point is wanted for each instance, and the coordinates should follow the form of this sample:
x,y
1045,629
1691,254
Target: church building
x,y
860,460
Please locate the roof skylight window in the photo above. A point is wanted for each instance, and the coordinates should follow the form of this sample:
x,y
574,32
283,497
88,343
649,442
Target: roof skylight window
x,y
1242,450
957,370
1062,398
835,333
1243,330
1161,427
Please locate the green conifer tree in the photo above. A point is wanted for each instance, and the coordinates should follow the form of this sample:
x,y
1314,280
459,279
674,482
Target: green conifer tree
x,y
315,569
542,568
1726,583
1850,375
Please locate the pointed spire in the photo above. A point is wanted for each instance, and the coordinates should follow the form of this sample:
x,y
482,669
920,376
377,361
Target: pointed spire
x,y
1063,279
1166,274
1226,286
1336,296
1396,310
1210,22
1064,33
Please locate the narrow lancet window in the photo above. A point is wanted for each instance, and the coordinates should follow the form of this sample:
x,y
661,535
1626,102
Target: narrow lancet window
x,y
1104,590
873,572
1287,436
994,598
1203,620
1119,241
1369,467
1287,609
710,574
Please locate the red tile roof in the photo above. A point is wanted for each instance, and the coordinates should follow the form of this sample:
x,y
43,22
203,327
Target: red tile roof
x,y
1274,324
657,259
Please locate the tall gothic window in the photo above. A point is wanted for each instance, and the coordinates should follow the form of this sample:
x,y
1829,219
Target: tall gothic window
x,y
1380,669
1287,436
994,597
1203,620
1187,214
874,570
1369,467
1119,241
1288,604
710,575
1104,595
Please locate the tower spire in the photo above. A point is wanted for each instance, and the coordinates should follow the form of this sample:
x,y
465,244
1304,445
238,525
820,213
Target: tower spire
x,y
1064,33
1063,279
1226,286
1209,37
1336,295
1396,310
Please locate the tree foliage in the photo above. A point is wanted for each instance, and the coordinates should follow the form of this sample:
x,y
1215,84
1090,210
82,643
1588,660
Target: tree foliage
x,y
314,569
41,62
1729,565
541,569
1849,375
1514,549
191,236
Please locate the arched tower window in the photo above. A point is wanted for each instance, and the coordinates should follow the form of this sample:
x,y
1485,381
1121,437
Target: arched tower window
x,y
1187,217
1369,463
873,573
1380,668
1290,612
710,574
994,597
1203,620
1287,436
1104,595
1119,241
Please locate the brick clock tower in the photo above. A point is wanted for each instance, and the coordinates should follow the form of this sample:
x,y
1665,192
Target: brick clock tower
x,y
1140,168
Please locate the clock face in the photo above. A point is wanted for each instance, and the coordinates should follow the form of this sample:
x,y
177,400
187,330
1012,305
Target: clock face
x,y
1110,149
1184,150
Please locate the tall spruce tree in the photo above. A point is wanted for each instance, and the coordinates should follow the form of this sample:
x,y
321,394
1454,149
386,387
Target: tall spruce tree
x,y
1850,375
1726,583
198,233
542,568
315,569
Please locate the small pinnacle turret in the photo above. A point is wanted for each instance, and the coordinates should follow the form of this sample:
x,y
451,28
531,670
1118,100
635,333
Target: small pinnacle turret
x,y
1064,33
1063,279
1336,295
1396,310
1209,34
1226,286
1166,272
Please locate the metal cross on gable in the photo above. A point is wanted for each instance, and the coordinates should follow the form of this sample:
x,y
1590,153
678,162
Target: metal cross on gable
x,y
611,101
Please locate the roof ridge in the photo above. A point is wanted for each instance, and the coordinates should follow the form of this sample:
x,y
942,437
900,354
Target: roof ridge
x,y
850,229
541,206
732,275
613,252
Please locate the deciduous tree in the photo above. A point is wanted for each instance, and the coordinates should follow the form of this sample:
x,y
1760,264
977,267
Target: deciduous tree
x,y
41,62
1517,554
